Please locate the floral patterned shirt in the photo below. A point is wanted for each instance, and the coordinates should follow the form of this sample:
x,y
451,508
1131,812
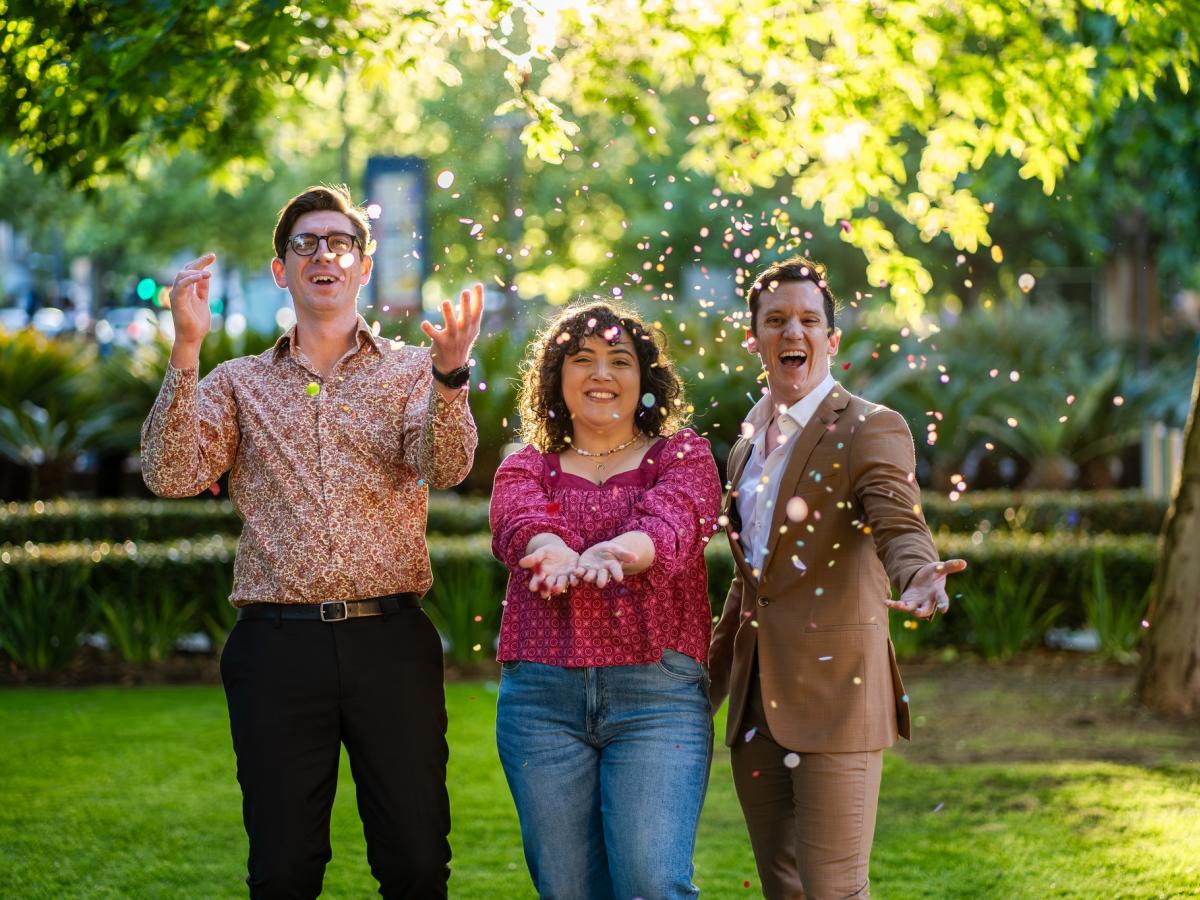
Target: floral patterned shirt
x,y
329,475
673,496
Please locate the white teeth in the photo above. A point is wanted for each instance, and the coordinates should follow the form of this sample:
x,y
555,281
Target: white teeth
x,y
600,395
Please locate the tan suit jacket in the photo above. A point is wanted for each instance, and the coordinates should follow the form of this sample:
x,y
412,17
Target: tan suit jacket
x,y
827,667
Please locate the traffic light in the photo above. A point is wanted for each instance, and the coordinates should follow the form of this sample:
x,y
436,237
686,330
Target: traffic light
x,y
147,290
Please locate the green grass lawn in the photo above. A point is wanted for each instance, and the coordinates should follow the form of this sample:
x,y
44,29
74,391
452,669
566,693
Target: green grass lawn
x,y
130,792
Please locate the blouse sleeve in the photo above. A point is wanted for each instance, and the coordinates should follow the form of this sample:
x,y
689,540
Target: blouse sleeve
x,y
521,508
679,511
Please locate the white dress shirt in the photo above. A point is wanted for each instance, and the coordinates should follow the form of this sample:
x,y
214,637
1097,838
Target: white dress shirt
x,y
758,488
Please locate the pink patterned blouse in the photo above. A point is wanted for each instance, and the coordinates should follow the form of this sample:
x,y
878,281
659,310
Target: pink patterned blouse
x,y
673,496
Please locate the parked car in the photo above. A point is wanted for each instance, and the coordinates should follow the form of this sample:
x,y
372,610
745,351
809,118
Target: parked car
x,y
127,326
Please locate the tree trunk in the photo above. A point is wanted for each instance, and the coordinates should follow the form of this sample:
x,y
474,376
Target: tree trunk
x,y
1170,673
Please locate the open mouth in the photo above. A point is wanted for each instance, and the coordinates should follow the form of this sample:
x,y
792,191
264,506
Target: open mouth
x,y
324,279
793,359
600,395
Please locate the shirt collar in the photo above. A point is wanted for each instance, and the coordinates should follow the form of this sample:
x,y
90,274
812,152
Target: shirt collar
x,y
286,345
791,418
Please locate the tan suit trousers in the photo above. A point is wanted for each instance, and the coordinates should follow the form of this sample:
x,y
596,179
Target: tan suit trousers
x,y
811,825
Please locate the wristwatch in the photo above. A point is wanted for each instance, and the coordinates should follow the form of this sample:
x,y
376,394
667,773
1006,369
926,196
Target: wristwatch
x,y
455,378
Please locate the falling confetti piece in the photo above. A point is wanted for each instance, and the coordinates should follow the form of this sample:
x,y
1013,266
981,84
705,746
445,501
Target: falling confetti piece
x,y
420,482
749,736
938,808
552,508
846,367
797,509
214,489
997,254
313,389
824,658
1026,282
445,178
374,211
1118,401
791,760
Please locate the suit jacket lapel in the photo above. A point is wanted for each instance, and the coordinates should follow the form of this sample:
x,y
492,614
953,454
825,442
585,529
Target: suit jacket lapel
x,y
738,457
806,441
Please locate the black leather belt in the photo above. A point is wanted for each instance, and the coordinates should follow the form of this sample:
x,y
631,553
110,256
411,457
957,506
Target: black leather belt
x,y
332,610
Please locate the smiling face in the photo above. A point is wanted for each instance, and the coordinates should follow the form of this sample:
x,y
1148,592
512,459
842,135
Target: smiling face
x,y
793,339
324,283
601,385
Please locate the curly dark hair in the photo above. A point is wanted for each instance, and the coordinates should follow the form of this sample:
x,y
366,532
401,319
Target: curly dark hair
x,y
545,419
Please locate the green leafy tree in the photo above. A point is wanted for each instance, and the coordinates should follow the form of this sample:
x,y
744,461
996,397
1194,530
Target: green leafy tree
x,y
869,112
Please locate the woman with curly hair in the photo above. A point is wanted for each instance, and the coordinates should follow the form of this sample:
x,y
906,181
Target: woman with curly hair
x,y
603,722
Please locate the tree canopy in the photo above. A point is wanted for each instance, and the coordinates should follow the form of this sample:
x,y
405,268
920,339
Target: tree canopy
x,y
871,112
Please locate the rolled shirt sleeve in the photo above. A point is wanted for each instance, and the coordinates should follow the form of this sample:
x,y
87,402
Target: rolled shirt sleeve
x,y
191,436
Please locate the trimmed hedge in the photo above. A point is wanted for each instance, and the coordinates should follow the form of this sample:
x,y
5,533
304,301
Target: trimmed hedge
x,y
57,521
199,571
1117,512
1094,512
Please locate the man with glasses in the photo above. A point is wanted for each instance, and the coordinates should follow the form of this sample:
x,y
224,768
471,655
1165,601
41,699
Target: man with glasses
x,y
331,438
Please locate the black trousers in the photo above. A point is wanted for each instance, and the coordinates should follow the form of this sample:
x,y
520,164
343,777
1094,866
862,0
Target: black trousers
x,y
298,689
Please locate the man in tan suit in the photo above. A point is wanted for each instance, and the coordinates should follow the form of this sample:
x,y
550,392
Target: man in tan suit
x,y
823,513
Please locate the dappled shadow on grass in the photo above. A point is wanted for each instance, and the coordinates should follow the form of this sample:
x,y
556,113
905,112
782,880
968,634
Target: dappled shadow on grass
x,y
1057,829
1039,708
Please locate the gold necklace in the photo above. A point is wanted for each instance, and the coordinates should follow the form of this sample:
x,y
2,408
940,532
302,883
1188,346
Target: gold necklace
x,y
595,454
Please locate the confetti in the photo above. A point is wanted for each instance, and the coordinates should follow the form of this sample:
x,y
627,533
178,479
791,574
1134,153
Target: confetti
x,y
647,400
791,760
313,389
797,509
749,736
1026,282
445,178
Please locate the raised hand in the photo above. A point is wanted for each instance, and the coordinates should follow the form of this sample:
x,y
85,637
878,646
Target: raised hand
x,y
190,311
604,562
553,566
926,593
452,341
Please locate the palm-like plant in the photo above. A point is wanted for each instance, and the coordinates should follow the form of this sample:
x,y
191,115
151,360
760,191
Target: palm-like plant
x,y
50,409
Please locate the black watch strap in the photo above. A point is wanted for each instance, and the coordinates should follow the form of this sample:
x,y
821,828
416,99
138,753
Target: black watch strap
x,y
455,378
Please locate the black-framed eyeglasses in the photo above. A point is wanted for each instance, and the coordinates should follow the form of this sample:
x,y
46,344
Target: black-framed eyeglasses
x,y
338,242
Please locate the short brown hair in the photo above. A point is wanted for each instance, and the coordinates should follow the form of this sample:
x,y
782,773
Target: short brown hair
x,y
335,197
545,419
795,268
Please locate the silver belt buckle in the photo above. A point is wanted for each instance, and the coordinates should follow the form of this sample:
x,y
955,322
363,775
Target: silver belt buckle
x,y
334,611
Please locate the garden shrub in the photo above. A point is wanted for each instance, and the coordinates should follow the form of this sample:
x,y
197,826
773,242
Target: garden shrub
x,y
52,521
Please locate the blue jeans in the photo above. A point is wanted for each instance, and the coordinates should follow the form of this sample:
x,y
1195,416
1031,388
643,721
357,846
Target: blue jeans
x,y
608,767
